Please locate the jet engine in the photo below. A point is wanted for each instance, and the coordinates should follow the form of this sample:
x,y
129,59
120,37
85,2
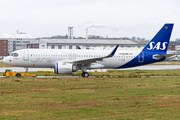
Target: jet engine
x,y
65,68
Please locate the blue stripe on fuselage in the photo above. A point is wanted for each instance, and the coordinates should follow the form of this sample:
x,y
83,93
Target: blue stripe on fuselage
x,y
148,59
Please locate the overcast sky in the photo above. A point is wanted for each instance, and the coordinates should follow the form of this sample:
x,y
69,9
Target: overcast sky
x,y
113,18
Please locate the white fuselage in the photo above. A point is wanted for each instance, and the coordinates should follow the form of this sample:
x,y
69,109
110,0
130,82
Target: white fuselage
x,y
46,58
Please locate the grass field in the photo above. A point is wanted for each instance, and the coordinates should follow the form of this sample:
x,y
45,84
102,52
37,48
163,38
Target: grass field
x,y
90,98
3,65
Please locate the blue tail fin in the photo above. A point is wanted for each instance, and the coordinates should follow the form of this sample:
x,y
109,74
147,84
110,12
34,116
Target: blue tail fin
x,y
160,41
157,46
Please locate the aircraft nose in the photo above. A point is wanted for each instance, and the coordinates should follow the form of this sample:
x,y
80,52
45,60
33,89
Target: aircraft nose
x,y
5,60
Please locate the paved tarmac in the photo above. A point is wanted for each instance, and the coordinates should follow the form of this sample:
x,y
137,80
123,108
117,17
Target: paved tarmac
x,y
146,67
21,69
90,76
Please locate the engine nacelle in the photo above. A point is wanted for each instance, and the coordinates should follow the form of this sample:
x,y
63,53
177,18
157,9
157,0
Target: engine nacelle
x,y
65,68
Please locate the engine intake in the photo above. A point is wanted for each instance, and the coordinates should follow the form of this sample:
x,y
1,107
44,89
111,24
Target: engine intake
x,y
65,68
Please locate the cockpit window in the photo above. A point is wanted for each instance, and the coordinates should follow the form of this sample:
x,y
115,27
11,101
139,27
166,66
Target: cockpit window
x,y
14,54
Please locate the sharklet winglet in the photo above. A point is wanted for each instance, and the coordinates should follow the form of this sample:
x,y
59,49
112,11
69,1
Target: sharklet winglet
x,y
113,52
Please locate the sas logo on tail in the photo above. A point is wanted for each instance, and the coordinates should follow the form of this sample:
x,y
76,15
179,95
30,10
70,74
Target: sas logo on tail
x,y
158,46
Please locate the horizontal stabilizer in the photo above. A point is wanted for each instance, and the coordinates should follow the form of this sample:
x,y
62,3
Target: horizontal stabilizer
x,y
165,55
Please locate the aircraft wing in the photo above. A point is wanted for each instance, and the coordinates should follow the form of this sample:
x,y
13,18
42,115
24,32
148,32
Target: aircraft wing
x,y
86,61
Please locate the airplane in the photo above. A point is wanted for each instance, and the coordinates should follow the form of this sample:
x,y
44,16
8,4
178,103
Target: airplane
x,y
67,61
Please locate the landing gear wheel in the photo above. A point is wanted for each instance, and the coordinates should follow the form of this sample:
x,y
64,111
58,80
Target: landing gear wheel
x,y
82,74
85,74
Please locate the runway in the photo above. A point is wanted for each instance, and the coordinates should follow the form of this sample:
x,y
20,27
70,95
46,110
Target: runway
x,y
146,67
21,69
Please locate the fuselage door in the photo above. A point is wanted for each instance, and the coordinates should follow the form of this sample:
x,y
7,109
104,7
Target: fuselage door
x,y
141,57
26,55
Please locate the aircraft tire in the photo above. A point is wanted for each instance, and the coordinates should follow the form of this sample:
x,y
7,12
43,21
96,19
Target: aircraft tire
x,y
85,74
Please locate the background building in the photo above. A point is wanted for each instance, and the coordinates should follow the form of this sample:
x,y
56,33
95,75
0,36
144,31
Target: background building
x,y
17,41
3,48
50,43
33,46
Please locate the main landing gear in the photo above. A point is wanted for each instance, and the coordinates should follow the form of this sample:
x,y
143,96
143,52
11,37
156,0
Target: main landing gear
x,y
85,74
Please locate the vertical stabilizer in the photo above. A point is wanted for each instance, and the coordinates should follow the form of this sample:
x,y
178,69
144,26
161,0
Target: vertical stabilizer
x,y
160,41
156,47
